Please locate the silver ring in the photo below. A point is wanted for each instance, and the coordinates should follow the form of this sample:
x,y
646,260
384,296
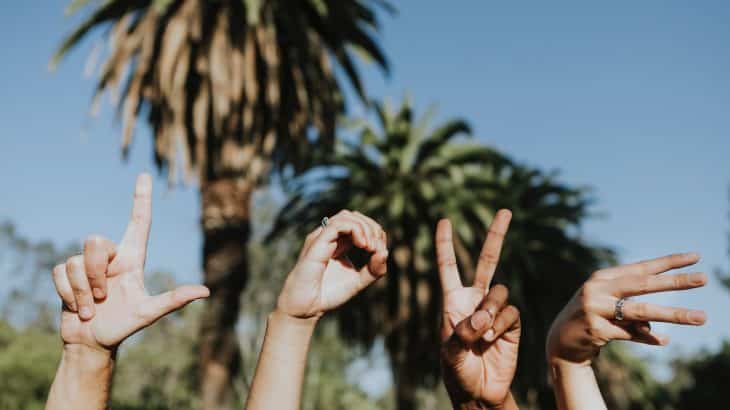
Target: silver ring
x,y
324,222
618,312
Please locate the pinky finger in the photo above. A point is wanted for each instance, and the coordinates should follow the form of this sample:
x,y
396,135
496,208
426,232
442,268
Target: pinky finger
x,y
640,332
63,287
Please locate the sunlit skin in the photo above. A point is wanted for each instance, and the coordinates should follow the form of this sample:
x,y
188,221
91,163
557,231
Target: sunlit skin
x,y
322,280
480,331
104,302
587,322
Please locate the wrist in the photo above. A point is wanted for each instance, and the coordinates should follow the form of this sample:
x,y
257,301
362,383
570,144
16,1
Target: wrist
x,y
282,318
561,370
87,356
564,363
461,400
473,404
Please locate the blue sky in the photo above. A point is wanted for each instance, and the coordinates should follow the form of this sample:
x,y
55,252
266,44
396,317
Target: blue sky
x,y
630,98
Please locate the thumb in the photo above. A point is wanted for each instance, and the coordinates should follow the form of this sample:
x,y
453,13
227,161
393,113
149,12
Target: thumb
x,y
170,301
466,333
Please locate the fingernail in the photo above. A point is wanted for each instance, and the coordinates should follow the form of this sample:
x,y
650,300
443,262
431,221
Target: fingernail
x,y
697,317
479,320
489,335
692,255
98,293
85,312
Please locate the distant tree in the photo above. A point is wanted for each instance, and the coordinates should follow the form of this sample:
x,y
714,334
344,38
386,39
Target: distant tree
x,y
24,271
722,274
627,383
407,174
704,380
28,360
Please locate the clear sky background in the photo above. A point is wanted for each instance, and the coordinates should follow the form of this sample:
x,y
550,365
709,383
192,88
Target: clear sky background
x,y
630,98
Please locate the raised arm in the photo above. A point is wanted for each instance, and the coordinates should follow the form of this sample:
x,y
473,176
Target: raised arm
x,y
104,302
323,279
480,330
601,312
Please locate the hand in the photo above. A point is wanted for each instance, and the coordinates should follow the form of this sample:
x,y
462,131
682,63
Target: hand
x,y
480,332
587,322
119,305
324,278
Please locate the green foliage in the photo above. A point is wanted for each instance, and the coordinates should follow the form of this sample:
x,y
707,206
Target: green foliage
x,y
626,381
703,380
28,360
407,174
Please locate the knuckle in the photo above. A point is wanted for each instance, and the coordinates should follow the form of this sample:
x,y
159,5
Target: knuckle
x,y
680,280
599,274
59,269
643,284
590,290
488,257
587,301
93,240
640,311
75,262
680,316
500,290
80,292
494,232
447,262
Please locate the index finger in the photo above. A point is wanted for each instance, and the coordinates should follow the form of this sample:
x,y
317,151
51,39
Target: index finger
x,y
489,256
655,266
446,258
134,242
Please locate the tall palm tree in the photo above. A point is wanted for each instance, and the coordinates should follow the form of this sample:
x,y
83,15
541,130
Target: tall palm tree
x,y
407,174
232,90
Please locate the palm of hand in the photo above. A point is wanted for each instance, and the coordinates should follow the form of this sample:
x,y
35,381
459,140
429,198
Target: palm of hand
x,y
117,316
485,371
335,285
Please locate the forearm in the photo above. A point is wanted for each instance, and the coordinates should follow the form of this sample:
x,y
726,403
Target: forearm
x,y
277,383
576,386
83,379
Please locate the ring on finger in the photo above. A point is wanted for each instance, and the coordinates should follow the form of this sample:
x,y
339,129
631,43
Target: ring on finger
x,y
618,312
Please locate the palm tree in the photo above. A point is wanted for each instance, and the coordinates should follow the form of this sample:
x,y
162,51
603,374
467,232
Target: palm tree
x,y
232,90
407,175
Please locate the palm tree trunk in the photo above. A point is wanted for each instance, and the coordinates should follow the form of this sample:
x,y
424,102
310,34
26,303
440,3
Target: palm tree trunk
x,y
399,341
225,206
405,381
